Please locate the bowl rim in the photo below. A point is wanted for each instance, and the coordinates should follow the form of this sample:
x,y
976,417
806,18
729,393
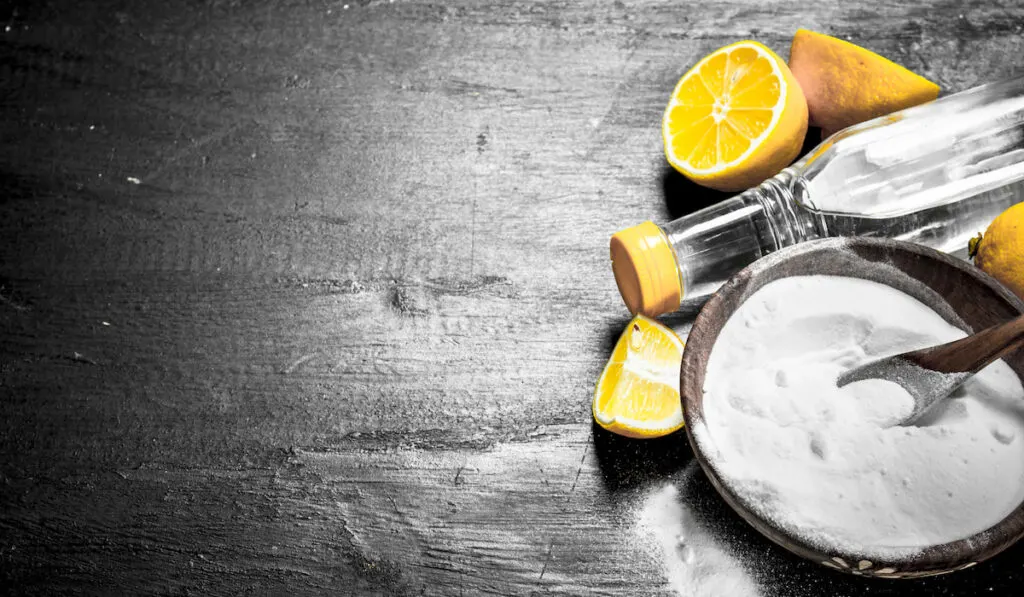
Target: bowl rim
x,y
936,559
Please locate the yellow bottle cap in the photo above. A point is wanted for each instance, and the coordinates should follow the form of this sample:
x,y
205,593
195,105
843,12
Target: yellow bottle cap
x,y
646,270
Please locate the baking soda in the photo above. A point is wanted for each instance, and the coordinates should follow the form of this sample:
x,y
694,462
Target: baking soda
x,y
832,465
694,563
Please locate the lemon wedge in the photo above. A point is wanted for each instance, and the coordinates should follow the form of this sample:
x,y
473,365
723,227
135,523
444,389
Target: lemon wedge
x,y
638,392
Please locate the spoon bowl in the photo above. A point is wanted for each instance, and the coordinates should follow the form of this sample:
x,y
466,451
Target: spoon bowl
x,y
960,293
931,374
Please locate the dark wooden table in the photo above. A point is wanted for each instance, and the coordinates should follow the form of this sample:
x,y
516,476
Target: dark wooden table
x,y
303,297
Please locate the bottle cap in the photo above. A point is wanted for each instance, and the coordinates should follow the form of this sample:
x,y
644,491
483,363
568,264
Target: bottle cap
x,y
646,270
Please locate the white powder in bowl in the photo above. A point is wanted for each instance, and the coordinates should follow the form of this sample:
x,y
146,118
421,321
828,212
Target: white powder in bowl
x,y
829,464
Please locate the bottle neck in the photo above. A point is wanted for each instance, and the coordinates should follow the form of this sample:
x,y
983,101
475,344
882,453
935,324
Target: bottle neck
x,y
716,242
781,197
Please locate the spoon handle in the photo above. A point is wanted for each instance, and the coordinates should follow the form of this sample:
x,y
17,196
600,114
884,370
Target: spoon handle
x,y
973,353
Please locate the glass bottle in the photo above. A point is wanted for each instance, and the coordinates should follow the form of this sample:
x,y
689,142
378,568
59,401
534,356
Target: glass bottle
x,y
935,174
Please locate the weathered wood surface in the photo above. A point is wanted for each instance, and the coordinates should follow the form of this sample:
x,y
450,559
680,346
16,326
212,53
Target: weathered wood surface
x,y
310,297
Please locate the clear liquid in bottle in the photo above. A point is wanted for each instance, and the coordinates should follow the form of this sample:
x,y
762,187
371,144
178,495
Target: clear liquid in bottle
x,y
936,175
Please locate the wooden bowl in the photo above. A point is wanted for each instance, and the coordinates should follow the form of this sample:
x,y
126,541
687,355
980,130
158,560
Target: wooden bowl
x,y
962,294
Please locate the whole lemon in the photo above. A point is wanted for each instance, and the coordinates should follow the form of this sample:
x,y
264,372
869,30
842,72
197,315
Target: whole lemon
x,y
1000,251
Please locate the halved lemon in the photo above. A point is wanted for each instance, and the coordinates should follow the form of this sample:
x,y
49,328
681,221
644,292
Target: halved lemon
x,y
846,84
638,392
736,118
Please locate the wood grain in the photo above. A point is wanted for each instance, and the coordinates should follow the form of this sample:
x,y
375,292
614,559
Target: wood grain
x,y
303,298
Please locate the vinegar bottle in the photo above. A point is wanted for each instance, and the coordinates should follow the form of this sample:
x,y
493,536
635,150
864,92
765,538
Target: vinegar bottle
x,y
936,174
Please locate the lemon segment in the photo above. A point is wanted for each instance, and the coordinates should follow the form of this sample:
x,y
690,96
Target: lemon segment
x,y
637,394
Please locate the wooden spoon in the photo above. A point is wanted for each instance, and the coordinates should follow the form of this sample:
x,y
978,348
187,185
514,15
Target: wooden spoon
x,y
931,374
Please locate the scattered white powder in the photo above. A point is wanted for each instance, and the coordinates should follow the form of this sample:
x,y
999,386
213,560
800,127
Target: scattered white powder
x,y
829,464
695,565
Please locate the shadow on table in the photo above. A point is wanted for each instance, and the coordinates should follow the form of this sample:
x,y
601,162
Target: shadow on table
x,y
626,463
683,196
